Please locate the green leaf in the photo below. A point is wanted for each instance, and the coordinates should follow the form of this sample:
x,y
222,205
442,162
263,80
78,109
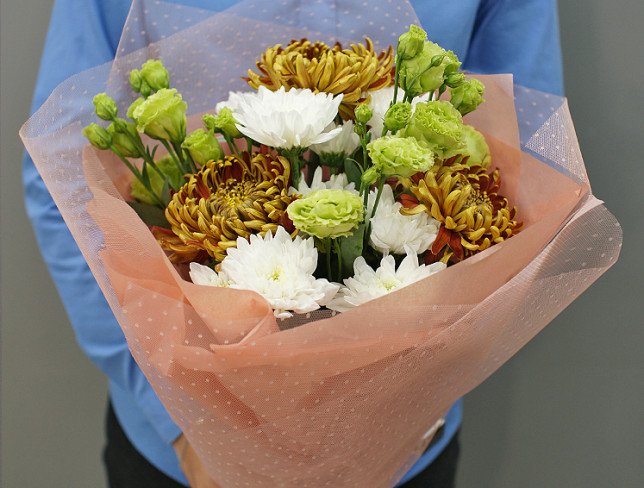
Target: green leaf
x,y
165,191
351,248
353,172
145,177
150,214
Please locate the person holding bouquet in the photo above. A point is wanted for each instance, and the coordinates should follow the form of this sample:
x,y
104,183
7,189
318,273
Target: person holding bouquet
x,y
144,445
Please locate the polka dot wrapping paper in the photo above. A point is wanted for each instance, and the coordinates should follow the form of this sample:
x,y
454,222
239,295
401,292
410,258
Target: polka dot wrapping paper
x,y
324,399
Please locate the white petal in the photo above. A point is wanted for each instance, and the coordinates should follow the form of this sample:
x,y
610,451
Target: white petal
x,y
202,275
286,119
281,270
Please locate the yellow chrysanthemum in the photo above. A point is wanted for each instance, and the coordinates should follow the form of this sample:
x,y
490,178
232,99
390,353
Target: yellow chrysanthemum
x,y
466,201
303,64
226,199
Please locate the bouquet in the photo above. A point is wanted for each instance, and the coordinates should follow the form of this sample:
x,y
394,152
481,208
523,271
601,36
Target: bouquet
x,y
448,217
350,175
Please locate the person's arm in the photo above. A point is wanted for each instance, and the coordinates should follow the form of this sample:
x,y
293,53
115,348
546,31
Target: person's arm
x,y
82,35
519,37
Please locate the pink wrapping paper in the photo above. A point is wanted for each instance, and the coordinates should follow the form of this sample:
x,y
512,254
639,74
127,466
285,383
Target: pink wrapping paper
x,y
323,399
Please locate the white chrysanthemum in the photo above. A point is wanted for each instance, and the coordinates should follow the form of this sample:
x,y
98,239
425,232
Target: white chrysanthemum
x,y
380,102
281,270
285,119
234,99
203,275
335,182
346,142
392,231
367,284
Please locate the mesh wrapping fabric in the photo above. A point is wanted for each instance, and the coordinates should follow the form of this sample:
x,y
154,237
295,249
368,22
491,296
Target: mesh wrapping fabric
x,y
341,400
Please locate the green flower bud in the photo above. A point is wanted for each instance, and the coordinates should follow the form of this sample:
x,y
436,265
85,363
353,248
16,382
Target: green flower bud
x,y
327,213
411,42
437,125
155,75
98,136
437,60
454,80
397,156
146,91
169,168
105,106
473,146
370,176
426,72
223,123
397,116
162,116
363,113
132,108
209,122
451,63
202,146
468,96
420,75
124,136
135,80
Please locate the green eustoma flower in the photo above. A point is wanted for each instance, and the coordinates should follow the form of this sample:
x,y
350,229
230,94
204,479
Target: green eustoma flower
x,y
223,123
162,116
98,136
328,213
397,116
474,147
105,106
437,125
202,146
411,43
396,156
467,96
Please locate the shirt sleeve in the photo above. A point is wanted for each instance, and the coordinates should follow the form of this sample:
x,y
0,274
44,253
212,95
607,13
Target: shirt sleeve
x,y
519,37
82,35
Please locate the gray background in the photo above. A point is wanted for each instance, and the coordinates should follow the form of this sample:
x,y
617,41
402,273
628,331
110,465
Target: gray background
x,y
567,411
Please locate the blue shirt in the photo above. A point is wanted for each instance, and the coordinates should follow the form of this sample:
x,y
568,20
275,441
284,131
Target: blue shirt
x,y
489,36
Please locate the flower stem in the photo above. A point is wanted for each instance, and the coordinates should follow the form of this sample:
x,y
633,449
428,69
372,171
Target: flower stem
x,y
153,164
441,90
398,59
365,154
381,185
143,150
338,252
328,257
173,155
364,189
293,156
237,147
231,145
185,164
139,176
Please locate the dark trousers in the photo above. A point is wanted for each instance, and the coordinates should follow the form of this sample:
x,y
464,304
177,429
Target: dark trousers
x,y
126,468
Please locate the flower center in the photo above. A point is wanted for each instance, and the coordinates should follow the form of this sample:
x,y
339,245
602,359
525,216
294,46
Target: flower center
x,y
234,197
275,274
389,285
311,50
480,201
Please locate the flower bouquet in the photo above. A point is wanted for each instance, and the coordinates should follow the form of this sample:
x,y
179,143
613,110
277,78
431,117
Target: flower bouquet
x,y
447,217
